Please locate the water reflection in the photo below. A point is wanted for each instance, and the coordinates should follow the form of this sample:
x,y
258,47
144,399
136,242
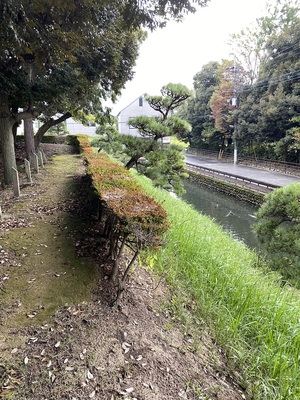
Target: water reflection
x,y
235,216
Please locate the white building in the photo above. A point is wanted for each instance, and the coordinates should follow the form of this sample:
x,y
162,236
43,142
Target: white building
x,y
75,128
138,107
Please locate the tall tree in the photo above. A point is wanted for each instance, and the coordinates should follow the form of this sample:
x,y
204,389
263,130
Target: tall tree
x,y
164,163
196,110
268,108
42,37
224,100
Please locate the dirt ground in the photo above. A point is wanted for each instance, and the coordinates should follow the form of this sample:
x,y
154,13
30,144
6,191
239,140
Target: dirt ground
x,y
60,337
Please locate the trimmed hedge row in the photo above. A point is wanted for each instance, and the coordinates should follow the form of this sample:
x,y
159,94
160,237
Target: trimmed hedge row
x,y
130,217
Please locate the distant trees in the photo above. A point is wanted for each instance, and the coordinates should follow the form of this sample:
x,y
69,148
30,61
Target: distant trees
x,y
58,58
278,229
268,64
196,110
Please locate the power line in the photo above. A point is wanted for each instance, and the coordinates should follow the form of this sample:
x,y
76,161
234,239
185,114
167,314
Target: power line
x,y
293,76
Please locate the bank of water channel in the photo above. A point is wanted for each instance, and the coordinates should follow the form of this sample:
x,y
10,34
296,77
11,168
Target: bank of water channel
x,y
235,216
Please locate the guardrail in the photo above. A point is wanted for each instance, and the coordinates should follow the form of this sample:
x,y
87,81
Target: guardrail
x,y
253,184
285,167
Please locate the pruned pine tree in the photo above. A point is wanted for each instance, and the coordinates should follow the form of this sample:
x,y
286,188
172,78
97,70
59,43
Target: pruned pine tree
x,y
163,163
278,229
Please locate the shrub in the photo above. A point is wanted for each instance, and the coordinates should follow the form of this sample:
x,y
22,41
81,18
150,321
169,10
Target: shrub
x,y
278,229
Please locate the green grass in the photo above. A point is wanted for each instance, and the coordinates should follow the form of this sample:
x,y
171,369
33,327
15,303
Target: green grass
x,y
252,317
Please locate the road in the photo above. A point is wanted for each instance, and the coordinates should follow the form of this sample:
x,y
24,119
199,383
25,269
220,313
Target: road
x,y
251,173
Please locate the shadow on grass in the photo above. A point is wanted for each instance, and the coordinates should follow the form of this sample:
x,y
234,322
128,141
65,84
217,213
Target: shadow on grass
x,y
55,255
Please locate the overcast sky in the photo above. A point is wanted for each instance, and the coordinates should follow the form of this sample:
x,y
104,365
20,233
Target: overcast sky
x,y
176,53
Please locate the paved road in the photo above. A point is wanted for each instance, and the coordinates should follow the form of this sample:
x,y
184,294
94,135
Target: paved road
x,y
264,176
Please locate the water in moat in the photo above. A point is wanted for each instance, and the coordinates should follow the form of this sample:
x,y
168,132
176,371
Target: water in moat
x,y
233,215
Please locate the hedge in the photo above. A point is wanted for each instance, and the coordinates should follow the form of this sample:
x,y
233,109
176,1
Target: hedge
x,y
129,216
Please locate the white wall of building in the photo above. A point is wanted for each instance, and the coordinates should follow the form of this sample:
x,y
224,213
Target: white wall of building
x,y
75,128
135,109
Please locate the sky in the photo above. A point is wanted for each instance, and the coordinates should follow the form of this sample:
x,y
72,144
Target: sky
x,y
177,52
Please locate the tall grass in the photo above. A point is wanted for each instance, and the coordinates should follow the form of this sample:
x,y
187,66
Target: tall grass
x,y
251,316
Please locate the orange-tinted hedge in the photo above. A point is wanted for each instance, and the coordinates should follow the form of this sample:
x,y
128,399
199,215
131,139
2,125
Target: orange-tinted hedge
x,y
122,194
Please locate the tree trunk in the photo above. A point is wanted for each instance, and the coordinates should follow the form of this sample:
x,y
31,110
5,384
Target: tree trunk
x,y
47,125
132,162
15,125
7,140
29,139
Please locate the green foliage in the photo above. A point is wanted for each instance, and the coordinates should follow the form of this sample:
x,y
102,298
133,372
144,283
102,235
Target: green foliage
x,y
172,96
69,58
278,228
288,148
108,139
166,168
196,109
150,127
59,129
178,127
163,163
269,106
266,83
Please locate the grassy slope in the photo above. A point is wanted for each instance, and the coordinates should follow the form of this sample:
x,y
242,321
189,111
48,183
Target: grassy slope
x,y
252,316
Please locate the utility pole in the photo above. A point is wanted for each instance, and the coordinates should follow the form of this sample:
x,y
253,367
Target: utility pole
x,y
235,105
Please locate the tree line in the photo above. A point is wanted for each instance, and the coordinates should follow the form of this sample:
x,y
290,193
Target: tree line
x,y
253,98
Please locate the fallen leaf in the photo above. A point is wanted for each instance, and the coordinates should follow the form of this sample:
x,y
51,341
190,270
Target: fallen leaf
x,y
89,375
52,376
6,392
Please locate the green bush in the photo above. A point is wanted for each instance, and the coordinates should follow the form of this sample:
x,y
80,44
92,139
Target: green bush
x,y
278,229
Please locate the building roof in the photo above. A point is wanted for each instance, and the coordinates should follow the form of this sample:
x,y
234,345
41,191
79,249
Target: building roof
x,y
142,95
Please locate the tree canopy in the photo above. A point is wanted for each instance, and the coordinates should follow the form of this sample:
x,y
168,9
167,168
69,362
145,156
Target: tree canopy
x,y
53,55
266,87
